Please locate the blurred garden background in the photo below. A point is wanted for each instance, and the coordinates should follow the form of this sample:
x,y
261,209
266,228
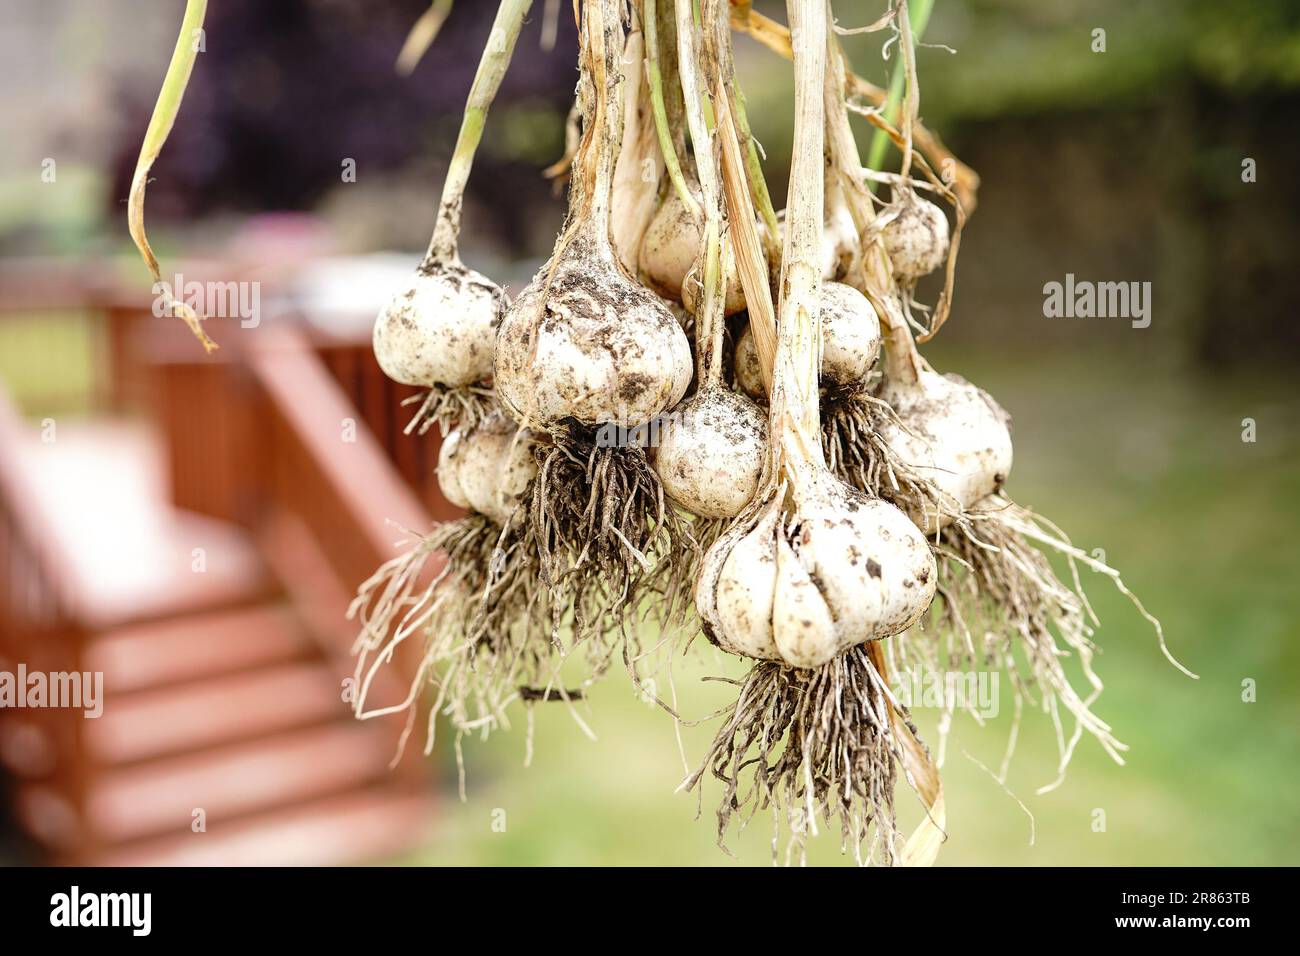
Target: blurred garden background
x,y
1122,165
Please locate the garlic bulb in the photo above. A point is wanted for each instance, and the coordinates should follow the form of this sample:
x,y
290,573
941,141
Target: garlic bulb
x,y
669,251
952,434
710,452
583,341
916,240
850,335
802,586
487,469
850,341
839,242
441,328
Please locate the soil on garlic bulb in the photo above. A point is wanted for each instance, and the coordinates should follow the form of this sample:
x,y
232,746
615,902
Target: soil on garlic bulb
x,y
804,586
441,328
710,453
583,342
850,333
953,436
916,241
439,333
669,250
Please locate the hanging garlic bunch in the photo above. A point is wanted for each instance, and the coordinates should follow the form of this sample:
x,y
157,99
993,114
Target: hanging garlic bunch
x,y
813,570
831,521
810,535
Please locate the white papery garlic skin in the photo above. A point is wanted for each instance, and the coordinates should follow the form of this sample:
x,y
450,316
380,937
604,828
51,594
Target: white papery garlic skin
x,y
669,250
850,335
710,453
592,346
487,469
839,242
450,455
749,371
737,590
440,329
916,241
850,342
845,569
955,435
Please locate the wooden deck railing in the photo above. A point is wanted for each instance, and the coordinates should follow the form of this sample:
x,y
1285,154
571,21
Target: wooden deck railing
x,y
325,466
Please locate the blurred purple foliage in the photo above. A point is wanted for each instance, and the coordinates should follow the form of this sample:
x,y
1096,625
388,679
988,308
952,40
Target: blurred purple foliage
x,y
285,91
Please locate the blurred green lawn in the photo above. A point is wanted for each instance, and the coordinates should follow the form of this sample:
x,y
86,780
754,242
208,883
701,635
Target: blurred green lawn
x,y
1148,465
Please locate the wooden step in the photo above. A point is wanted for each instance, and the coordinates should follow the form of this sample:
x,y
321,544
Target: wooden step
x,y
123,553
198,715
361,826
184,649
162,796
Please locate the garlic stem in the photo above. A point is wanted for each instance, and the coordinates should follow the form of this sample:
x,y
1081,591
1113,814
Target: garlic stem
x,y
912,104
880,141
710,318
662,126
445,245
591,191
160,126
798,360
753,270
688,67
753,162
